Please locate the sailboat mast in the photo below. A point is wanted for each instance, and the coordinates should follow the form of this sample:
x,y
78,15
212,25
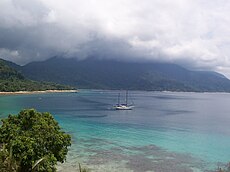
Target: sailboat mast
x,y
118,98
126,99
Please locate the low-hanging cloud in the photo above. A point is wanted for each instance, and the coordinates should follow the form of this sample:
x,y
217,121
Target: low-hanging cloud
x,y
194,33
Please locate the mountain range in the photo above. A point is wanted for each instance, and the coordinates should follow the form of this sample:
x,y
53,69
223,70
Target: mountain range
x,y
94,73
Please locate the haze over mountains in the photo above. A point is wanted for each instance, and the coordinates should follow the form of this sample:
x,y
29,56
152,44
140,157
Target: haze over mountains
x,y
194,34
111,74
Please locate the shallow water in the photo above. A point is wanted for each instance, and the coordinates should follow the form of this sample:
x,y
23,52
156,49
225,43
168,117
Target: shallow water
x,y
164,132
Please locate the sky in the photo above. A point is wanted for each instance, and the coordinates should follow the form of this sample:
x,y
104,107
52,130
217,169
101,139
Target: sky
x,y
191,33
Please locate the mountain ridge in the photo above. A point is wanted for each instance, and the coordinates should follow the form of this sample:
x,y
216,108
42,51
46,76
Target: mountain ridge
x,y
112,74
11,80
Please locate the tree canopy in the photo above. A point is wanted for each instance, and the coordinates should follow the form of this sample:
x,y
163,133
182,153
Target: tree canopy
x,y
11,80
32,141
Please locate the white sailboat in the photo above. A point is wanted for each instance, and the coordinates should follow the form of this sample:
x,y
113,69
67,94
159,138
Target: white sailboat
x,y
124,106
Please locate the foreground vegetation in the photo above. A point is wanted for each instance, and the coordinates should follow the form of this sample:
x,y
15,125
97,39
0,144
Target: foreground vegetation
x,y
32,141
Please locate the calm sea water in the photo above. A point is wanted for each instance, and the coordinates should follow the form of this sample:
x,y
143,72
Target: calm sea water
x,y
164,132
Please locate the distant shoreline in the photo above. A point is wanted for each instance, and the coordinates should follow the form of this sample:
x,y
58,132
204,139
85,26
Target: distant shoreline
x,y
38,92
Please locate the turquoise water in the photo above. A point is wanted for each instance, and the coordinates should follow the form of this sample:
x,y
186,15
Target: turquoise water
x,y
164,132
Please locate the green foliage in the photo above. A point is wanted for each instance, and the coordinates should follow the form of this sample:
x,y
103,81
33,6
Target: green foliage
x,y
32,141
6,72
11,81
12,85
111,74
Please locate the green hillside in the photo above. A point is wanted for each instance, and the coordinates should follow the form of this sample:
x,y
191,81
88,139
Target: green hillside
x,y
11,80
110,74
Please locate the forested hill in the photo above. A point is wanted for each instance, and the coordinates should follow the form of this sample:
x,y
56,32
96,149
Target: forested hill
x,y
11,80
110,74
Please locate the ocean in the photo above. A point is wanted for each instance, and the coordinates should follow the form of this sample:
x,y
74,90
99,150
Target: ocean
x,y
165,131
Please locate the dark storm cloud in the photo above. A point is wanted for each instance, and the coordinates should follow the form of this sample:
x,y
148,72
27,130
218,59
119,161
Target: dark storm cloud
x,y
192,33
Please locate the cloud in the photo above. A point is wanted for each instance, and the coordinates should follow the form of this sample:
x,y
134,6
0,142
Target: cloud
x,y
194,33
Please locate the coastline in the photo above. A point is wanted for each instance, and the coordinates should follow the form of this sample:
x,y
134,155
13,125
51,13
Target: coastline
x,y
38,92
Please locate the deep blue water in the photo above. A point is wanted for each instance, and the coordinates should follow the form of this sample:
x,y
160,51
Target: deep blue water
x,y
164,132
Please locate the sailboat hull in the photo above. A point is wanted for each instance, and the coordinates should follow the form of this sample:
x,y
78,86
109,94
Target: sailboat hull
x,y
122,107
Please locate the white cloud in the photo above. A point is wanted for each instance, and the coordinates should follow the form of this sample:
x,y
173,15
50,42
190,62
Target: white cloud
x,y
194,33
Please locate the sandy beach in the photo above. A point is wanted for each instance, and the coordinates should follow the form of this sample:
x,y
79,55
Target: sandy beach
x,y
38,92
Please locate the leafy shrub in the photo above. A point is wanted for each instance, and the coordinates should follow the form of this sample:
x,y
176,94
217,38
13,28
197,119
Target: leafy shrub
x,y
32,141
